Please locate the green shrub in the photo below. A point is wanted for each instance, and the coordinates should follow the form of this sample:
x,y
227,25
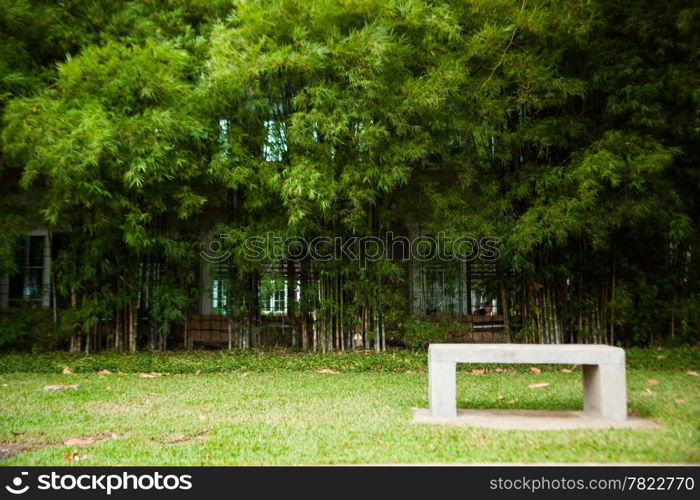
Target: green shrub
x,y
395,361
30,329
416,333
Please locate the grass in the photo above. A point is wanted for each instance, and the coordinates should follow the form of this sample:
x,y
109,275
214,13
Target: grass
x,y
275,409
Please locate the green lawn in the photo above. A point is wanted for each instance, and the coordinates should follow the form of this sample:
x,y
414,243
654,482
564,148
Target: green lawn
x,y
280,411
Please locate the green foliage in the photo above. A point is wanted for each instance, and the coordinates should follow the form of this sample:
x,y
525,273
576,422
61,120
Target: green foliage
x,y
416,333
251,360
568,130
31,329
242,360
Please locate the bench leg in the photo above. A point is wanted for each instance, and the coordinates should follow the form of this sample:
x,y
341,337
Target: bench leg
x,y
605,391
442,387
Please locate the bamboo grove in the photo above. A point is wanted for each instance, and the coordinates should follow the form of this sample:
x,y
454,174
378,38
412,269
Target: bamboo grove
x,y
138,132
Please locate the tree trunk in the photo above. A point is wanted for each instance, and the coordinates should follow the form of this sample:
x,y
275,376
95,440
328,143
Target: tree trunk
x,y
132,329
230,332
75,338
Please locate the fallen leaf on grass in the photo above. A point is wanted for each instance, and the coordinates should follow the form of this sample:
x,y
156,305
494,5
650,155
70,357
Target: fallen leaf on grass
x,y
660,356
67,371
537,386
104,372
90,439
534,369
500,396
408,372
61,387
478,372
198,372
327,370
80,441
652,381
512,401
691,373
150,375
681,401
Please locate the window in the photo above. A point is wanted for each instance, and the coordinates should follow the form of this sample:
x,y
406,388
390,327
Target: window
x,y
441,290
28,283
451,287
273,293
221,289
219,297
275,141
483,286
483,298
273,296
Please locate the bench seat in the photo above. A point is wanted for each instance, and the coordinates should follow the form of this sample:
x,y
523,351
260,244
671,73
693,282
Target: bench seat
x,y
604,385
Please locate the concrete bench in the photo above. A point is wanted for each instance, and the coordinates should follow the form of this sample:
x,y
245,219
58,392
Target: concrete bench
x,y
604,386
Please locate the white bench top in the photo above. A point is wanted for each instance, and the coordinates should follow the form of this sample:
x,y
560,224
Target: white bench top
x,y
578,354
